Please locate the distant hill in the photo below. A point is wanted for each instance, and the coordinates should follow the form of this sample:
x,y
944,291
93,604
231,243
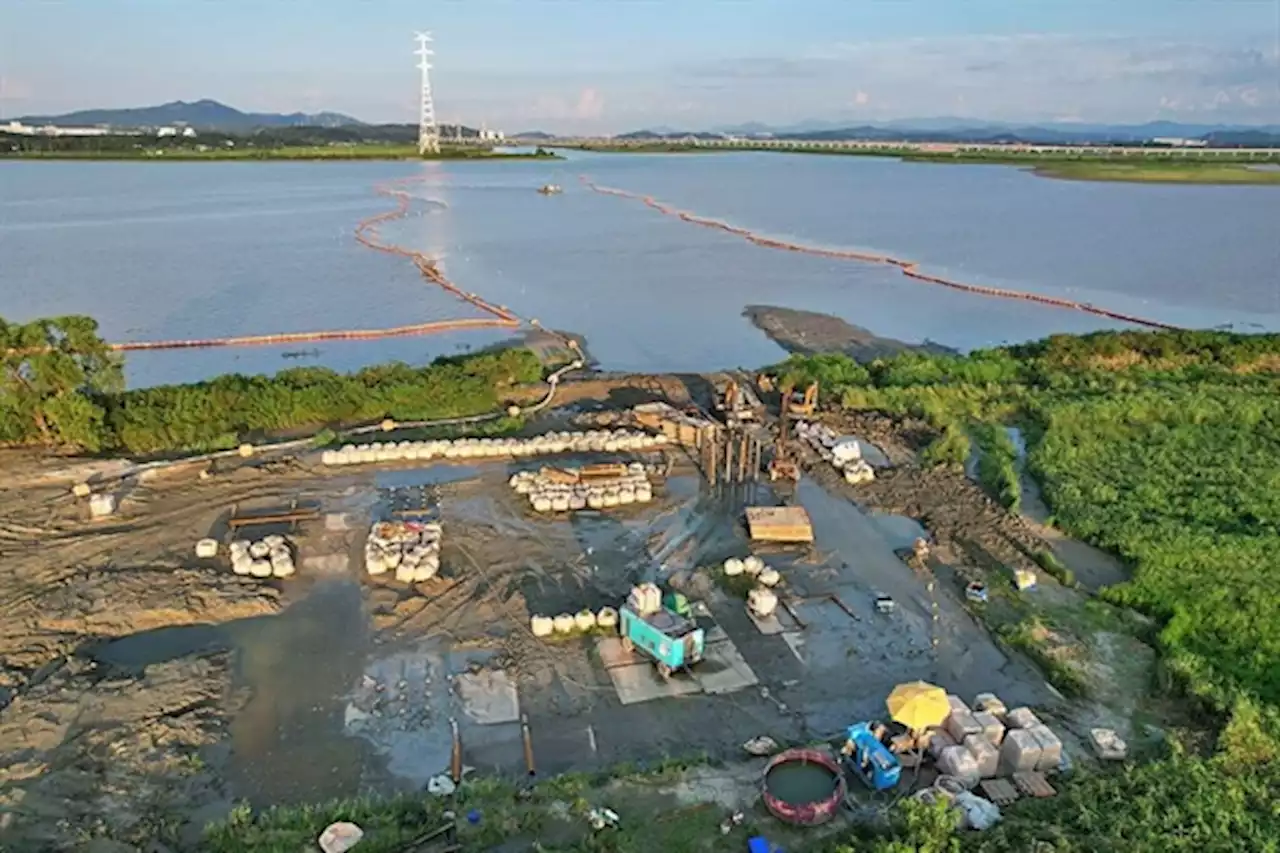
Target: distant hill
x,y
202,115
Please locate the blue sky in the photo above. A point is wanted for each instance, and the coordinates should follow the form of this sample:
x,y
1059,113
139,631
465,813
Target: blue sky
x,y
617,65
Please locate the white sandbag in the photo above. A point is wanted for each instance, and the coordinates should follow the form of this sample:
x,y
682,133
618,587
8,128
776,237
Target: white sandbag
x,y
762,602
374,564
626,496
101,505
560,502
595,499
406,574
564,623
607,617
979,814
207,548
542,626
241,564
424,572
644,494
577,502
282,568
340,837
329,457
260,568
733,566
846,450
610,498
273,541
259,550
584,620
636,468
769,577
541,503
753,565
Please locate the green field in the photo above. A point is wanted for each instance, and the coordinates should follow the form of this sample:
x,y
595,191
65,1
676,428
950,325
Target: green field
x,y
1159,167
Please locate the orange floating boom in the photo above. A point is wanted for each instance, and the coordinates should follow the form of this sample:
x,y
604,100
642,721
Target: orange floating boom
x,y
909,268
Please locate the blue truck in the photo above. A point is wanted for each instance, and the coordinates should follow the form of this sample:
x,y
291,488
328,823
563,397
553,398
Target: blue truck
x,y
672,641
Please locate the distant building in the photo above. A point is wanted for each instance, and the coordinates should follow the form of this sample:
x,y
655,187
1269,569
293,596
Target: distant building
x,y
1179,142
487,135
187,132
17,127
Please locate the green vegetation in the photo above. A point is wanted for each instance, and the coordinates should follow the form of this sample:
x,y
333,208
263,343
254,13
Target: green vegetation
x,y
61,389
1163,448
998,464
1155,165
1160,172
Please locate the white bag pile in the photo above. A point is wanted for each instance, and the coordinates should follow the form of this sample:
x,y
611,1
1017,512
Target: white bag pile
x,y
268,557
597,441
546,495
410,549
843,453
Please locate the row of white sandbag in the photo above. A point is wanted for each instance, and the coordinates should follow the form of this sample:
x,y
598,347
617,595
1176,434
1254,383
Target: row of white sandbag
x,y
752,566
567,623
556,498
610,441
268,557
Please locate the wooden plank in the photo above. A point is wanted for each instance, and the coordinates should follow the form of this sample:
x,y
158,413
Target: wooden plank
x,y
779,524
1033,784
999,791
273,518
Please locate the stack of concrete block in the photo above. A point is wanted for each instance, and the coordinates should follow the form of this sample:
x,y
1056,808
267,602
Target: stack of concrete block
x,y
959,762
1021,718
1020,751
1050,748
939,741
992,728
985,755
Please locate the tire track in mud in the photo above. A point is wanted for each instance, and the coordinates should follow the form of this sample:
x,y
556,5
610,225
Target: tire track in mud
x,y
910,269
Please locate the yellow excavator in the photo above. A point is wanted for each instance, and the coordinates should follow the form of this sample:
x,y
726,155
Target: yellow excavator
x,y
800,404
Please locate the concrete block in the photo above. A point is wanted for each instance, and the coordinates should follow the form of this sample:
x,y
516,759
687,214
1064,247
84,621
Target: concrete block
x,y
489,697
990,703
640,682
985,754
939,741
961,725
1020,752
723,670
1050,748
957,704
992,728
1021,718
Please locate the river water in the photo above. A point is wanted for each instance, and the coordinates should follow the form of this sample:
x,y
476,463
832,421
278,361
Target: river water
x,y
183,250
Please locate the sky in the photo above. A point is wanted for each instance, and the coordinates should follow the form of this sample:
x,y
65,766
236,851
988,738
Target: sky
x,y
608,66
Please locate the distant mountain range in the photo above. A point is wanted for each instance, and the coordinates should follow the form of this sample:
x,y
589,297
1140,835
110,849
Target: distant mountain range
x,y
202,115
968,130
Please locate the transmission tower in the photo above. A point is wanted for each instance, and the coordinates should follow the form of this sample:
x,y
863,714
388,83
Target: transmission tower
x,y
428,132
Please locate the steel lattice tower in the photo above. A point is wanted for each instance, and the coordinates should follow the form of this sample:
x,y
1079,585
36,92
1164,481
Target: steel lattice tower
x,y
428,132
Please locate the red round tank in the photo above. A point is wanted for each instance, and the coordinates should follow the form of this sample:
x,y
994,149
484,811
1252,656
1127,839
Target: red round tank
x,y
803,787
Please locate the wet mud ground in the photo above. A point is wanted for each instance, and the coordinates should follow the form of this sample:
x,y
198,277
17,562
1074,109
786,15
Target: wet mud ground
x,y
149,688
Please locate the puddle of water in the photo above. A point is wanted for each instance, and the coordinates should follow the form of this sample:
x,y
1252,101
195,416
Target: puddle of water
x,y
800,783
900,531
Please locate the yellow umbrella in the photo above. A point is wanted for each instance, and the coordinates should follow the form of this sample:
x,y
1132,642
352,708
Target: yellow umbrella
x,y
918,705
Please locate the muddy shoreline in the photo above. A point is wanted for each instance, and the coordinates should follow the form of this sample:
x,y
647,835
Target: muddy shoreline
x,y
147,689
811,332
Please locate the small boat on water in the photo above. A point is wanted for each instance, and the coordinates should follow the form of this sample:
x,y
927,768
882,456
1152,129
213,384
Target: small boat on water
x,y
550,189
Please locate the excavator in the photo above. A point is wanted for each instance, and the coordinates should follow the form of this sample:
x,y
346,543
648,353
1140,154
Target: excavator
x,y
800,404
783,466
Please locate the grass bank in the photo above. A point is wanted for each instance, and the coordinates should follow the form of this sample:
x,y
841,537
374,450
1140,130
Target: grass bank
x,y
63,388
1163,448
1159,167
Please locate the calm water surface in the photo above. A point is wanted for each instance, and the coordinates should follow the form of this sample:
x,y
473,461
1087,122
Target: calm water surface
x,y
182,250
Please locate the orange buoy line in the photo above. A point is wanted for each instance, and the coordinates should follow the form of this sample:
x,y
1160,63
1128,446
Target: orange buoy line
x,y
910,269
367,235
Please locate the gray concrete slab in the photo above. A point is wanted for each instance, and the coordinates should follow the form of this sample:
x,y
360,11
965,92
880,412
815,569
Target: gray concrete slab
x,y
775,623
488,697
612,654
640,682
724,670
326,563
